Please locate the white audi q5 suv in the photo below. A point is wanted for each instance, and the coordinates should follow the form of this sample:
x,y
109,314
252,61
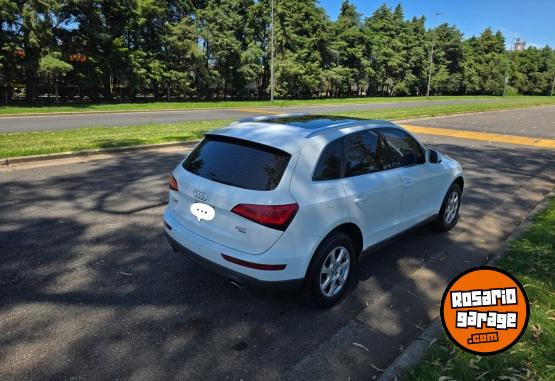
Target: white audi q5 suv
x,y
293,200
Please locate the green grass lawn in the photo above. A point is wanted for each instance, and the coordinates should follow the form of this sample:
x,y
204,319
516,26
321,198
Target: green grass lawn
x,y
436,110
43,142
86,107
531,259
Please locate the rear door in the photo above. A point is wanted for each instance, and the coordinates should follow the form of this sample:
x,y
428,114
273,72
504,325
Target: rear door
x,y
420,184
223,172
374,195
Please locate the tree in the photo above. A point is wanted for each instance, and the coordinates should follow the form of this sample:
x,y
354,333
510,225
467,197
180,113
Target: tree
x,y
35,31
302,48
53,68
182,49
185,57
222,25
350,67
448,57
489,61
532,71
388,33
9,46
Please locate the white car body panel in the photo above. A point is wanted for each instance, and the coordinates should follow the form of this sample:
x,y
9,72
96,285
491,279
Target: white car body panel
x,y
374,202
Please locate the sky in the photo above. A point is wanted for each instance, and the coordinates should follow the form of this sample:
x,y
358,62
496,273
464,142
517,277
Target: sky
x,y
532,21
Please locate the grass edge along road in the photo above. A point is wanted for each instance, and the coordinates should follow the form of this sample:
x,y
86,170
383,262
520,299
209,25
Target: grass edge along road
x,y
191,105
531,259
45,142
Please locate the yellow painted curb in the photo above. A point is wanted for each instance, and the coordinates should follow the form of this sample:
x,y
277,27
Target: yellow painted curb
x,y
482,136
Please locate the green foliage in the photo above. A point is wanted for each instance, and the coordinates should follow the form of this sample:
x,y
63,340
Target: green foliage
x,y
51,64
214,49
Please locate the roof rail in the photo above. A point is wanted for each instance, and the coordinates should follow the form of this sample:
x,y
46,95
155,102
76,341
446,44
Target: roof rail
x,y
340,126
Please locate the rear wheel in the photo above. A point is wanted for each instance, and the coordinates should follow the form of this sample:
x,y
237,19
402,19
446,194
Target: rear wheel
x,y
449,213
331,270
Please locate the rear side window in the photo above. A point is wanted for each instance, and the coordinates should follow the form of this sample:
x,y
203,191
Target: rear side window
x,y
361,153
403,149
238,162
329,165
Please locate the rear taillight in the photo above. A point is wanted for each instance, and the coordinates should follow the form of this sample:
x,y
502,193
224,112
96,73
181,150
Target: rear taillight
x,y
272,216
173,184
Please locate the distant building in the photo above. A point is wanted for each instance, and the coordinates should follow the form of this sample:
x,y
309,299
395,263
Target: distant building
x,y
518,44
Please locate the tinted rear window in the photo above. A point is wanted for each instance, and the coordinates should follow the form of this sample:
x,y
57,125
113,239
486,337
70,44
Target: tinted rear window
x,y
238,162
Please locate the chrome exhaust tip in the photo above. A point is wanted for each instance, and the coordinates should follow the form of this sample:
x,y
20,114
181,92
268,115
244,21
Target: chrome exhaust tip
x,y
233,283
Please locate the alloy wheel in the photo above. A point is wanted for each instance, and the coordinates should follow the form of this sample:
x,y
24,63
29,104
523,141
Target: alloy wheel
x,y
335,271
452,207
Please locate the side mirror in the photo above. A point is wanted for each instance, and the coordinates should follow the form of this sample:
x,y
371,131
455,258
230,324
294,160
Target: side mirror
x,y
434,157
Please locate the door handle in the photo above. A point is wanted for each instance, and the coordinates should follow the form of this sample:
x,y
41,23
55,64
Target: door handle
x,y
408,181
359,200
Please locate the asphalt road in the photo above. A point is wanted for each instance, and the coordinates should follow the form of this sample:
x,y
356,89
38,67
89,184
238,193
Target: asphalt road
x,y
72,121
91,290
538,122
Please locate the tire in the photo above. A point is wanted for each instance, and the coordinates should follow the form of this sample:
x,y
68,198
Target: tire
x,y
338,274
449,213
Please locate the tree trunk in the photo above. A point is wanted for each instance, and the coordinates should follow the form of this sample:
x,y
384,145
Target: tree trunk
x,y
56,88
29,85
107,92
156,94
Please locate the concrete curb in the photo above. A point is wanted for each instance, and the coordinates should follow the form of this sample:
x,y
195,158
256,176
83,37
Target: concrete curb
x,y
416,350
91,153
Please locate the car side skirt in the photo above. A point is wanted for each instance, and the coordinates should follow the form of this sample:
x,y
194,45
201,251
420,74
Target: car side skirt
x,y
385,242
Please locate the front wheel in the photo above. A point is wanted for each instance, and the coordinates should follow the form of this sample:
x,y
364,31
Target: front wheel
x,y
331,270
449,213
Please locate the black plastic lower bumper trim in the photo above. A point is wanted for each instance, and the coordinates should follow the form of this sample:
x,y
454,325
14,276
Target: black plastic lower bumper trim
x,y
231,274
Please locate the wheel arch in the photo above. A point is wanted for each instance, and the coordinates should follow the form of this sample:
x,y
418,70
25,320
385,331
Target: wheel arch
x,y
460,181
354,233
351,230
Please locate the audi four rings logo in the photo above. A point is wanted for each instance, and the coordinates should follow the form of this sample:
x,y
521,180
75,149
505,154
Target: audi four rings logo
x,y
200,195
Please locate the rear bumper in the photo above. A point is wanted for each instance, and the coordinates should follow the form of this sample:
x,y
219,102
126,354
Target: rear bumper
x,y
292,250
231,274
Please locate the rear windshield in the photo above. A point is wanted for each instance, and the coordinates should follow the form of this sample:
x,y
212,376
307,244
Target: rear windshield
x,y
238,162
